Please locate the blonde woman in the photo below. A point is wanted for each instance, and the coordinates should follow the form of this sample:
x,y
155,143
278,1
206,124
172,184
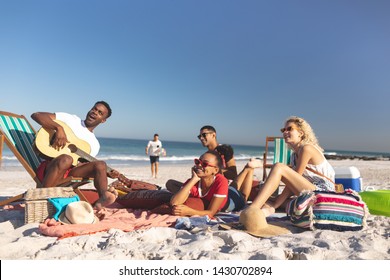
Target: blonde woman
x,y
309,166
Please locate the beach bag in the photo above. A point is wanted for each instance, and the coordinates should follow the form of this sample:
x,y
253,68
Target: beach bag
x,y
344,211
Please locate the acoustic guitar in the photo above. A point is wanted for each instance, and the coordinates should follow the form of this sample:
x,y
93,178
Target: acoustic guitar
x,y
44,140
79,149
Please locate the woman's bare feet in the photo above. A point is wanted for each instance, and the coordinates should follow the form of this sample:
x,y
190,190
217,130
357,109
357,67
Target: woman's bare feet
x,y
268,210
255,163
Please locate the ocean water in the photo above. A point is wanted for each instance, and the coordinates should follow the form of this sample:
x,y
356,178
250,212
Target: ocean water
x,y
130,152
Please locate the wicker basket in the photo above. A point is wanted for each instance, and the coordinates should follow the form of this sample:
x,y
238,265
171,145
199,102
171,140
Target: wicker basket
x,y
38,208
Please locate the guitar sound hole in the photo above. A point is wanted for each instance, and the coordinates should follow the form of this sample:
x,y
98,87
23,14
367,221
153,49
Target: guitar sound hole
x,y
72,148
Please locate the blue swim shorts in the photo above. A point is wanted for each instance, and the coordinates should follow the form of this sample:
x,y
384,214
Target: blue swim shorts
x,y
236,201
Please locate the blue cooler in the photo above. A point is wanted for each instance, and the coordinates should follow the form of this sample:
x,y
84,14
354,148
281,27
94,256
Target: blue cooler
x,y
349,177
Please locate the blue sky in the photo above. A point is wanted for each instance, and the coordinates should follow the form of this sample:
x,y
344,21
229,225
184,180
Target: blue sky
x,y
173,66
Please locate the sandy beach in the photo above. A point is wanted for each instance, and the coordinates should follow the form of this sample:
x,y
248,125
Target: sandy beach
x,y
19,241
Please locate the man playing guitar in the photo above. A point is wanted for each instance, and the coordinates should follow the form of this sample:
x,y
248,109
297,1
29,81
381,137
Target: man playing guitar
x,y
53,171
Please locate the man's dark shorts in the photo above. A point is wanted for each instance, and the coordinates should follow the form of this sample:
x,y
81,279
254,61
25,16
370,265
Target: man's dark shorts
x,y
154,159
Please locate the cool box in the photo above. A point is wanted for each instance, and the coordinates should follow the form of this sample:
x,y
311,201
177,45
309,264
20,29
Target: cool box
x,y
349,177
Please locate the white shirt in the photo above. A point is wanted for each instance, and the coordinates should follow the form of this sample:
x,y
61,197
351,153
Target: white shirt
x,y
154,148
78,127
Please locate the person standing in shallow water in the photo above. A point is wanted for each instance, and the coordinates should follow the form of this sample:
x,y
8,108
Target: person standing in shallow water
x,y
154,149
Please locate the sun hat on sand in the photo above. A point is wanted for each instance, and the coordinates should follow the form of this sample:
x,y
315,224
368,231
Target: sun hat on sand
x,y
253,221
79,212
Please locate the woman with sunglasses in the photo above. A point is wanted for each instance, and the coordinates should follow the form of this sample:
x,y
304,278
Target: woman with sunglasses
x,y
207,183
307,157
205,193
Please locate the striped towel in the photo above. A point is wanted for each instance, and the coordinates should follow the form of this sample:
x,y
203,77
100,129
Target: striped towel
x,y
328,210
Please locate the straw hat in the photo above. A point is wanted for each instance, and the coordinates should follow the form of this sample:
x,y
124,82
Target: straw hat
x,y
78,212
255,223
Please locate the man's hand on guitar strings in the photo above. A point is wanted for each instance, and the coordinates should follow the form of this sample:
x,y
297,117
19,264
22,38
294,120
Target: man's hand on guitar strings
x,y
60,139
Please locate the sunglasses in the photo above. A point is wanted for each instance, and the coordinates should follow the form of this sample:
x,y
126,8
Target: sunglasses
x,y
204,164
289,128
203,135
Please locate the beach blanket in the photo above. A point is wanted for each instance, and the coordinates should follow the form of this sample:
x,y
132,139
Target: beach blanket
x,y
196,224
118,218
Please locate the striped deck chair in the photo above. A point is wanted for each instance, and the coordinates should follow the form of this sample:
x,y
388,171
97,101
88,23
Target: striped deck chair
x,y
275,151
281,153
19,135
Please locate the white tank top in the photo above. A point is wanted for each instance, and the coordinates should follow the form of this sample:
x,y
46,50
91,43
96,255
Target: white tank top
x,y
324,168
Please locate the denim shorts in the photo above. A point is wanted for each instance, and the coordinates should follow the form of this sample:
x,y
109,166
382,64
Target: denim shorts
x,y
236,201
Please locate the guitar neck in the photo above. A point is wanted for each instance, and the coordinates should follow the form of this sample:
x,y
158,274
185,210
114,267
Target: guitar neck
x,y
84,155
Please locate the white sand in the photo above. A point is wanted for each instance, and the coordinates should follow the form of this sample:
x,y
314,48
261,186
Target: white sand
x,y
24,242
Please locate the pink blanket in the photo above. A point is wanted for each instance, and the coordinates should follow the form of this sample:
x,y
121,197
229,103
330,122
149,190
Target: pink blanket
x,y
123,219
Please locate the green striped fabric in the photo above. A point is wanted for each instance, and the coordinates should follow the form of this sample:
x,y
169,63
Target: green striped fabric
x,y
22,136
282,151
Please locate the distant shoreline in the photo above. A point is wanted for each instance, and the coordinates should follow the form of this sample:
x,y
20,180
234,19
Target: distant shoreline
x,y
341,157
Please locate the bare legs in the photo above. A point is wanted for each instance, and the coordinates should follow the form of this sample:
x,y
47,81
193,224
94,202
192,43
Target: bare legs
x,y
295,183
244,181
56,170
154,169
97,170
